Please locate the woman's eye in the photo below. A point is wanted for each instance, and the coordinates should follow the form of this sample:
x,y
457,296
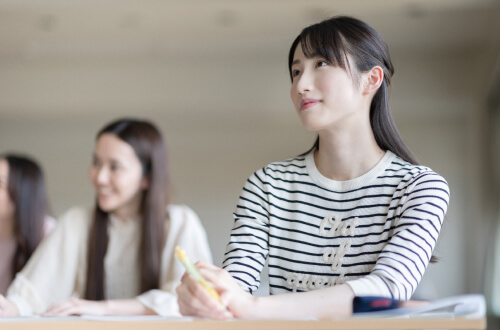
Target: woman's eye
x,y
295,73
321,63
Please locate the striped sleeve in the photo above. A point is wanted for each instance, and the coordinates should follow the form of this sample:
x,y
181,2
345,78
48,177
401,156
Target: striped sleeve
x,y
402,262
248,248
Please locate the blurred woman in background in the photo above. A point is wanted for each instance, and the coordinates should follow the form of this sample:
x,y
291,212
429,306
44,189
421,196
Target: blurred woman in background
x,y
119,258
24,214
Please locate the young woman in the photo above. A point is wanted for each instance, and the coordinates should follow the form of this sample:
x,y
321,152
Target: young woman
x,y
24,214
355,216
118,259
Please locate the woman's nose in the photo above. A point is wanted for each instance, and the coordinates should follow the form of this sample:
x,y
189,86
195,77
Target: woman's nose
x,y
102,175
304,83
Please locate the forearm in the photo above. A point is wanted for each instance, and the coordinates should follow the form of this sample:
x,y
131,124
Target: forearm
x,y
320,304
328,303
126,307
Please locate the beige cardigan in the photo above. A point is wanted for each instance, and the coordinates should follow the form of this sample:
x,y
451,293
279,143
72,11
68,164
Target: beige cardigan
x,y
57,269
7,251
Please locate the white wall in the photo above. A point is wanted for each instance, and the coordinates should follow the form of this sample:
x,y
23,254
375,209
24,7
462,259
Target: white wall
x,y
224,118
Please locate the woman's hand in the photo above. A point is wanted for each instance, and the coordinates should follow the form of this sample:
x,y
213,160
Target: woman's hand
x,y
7,308
194,299
76,306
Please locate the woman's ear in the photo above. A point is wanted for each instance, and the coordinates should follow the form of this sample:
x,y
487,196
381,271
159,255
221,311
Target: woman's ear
x,y
373,78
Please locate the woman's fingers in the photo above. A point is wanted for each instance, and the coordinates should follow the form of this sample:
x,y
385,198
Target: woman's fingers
x,y
194,295
223,283
66,311
195,300
67,307
206,265
188,304
56,310
231,294
217,276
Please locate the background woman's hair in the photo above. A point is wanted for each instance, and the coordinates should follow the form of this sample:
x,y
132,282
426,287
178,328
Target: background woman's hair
x,y
334,39
148,145
26,187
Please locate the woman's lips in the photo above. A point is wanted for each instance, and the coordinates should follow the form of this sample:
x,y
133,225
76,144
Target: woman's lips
x,y
308,103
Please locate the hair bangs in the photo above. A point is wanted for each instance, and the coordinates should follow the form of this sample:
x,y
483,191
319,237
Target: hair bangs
x,y
326,42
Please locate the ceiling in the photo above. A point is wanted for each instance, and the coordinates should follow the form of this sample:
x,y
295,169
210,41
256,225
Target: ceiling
x,y
116,57
162,28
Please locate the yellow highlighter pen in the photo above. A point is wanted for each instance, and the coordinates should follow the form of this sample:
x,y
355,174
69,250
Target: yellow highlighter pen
x,y
193,271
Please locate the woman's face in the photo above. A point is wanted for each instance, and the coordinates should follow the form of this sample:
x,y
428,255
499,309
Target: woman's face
x,y
7,207
116,173
325,96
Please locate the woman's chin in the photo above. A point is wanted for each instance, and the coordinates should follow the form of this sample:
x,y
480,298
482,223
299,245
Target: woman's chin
x,y
311,127
106,207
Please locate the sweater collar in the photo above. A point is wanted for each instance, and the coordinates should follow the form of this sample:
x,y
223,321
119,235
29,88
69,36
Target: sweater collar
x,y
347,185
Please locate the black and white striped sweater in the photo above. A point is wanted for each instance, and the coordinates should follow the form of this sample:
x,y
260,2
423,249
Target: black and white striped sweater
x,y
376,232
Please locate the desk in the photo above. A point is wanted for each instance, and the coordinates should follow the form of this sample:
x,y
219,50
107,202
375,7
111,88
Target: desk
x,y
379,323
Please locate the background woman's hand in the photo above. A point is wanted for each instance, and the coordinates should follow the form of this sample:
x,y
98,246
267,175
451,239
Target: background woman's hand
x,y
7,308
194,299
76,306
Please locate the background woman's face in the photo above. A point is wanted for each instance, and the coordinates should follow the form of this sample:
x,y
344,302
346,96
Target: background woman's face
x,y
116,173
7,207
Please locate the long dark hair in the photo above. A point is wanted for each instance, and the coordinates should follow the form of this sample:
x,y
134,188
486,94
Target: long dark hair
x,y
147,142
334,39
26,188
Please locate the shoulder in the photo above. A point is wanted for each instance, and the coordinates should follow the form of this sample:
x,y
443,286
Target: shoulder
x,y
296,164
287,169
418,177
184,224
182,216
77,218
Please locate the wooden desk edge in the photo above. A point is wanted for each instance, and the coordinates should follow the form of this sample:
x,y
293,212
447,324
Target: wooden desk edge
x,y
409,323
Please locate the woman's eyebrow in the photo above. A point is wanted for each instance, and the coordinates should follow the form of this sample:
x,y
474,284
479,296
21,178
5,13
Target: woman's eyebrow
x,y
297,61
117,161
